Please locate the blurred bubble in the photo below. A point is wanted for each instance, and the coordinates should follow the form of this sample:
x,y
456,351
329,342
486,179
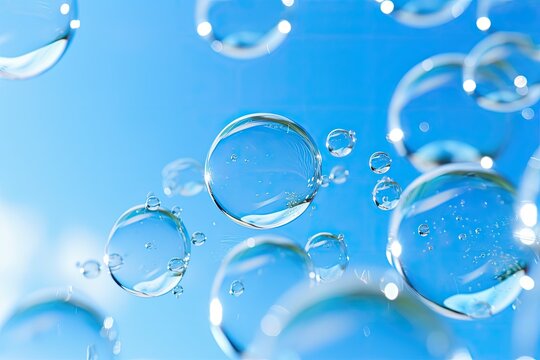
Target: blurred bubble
x,y
338,175
90,269
505,71
275,177
525,327
34,34
267,267
243,28
508,15
198,238
340,142
351,320
386,193
55,326
183,177
528,227
422,13
458,270
329,255
325,181
144,270
380,162
430,110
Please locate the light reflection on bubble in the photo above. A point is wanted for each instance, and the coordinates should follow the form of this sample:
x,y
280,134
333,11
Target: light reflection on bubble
x,y
507,15
527,207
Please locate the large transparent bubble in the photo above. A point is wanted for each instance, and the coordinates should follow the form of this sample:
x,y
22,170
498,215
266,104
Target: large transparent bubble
x,y
502,72
34,34
263,170
470,264
351,320
58,325
148,250
251,279
527,208
423,13
430,117
243,28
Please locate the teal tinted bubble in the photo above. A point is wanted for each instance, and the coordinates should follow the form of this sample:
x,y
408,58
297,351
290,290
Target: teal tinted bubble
x,y
386,193
183,177
380,162
422,13
34,35
458,270
263,170
58,326
252,278
340,142
148,250
329,255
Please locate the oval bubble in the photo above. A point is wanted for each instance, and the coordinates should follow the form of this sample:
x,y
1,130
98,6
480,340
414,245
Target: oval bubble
x,y
263,170
421,13
527,208
34,35
148,250
351,320
469,265
429,115
58,325
243,29
252,278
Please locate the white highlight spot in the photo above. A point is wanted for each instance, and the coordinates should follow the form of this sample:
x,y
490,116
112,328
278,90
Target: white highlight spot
x,y
486,162
526,282
216,312
483,23
64,9
204,28
75,24
284,27
469,85
395,135
395,249
391,291
288,3
520,81
529,214
387,7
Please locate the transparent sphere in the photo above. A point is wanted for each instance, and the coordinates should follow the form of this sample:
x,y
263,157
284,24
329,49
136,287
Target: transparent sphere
x,y
340,142
503,71
56,326
34,35
351,320
263,170
329,255
386,193
183,177
243,28
528,226
422,13
470,264
380,162
90,269
430,113
252,278
148,250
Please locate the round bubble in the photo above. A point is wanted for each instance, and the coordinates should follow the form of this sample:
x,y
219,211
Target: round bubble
x,y
351,320
502,72
470,264
422,13
386,193
263,170
58,325
252,278
243,29
34,34
183,177
380,162
90,269
329,255
528,204
340,142
148,250
198,238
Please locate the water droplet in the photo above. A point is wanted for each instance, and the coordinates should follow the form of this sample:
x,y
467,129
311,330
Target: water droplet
x,y
90,269
198,238
386,193
340,142
234,157
152,202
177,291
329,255
423,230
462,236
380,162
339,175
237,288
183,177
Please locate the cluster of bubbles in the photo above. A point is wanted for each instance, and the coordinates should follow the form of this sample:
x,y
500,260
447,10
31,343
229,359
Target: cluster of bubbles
x,y
387,191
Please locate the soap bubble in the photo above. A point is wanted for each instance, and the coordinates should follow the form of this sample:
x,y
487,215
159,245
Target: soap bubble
x,y
386,193
423,230
528,204
421,13
329,255
351,320
198,238
266,267
263,170
90,269
380,162
178,291
504,72
34,35
456,269
143,270
183,177
243,29
340,142
57,325
338,175
429,113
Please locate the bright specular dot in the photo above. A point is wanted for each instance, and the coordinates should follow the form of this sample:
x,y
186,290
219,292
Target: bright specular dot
x,y
395,249
288,3
391,291
527,113
75,24
204,28
526,282
520,81
395,135
284,27
486,162
387,7
483,23
529,214
469,85
64,9
526,236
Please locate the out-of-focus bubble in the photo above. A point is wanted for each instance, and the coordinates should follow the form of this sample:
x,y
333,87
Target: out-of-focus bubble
x,y
422,13
266,267
141,269
470,264
340,142
338,175
263,170
351,320
527,207
90,269
507,15
329,255
380,162
243,29
386,193
183,177
503,71
429,111
55,326
526,328
325,181
34,34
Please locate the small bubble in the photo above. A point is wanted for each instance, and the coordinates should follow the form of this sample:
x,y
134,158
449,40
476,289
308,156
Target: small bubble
x,y
380,162
386,193
177,211
152,202
462,236
237,288
339,175
459,218
148,245
424,126
177,291
477,231
198,238
90,269
177,265
114,262
234,157
423,230
340,142
325,181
